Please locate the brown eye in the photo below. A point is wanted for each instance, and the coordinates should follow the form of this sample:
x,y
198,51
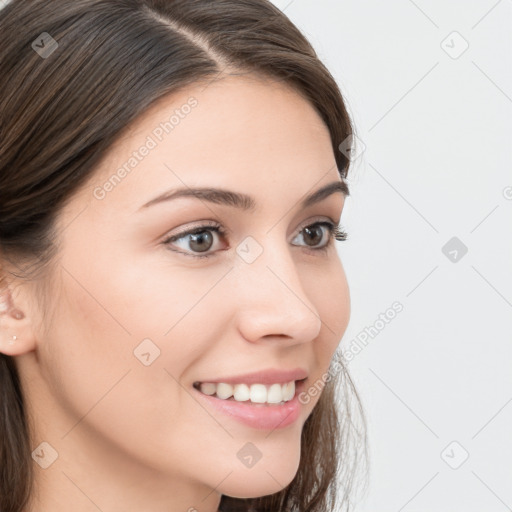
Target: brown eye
x,y
196,241
200,242
201,239
313,235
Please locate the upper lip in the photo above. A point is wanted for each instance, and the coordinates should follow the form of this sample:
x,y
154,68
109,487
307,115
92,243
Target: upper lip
x,y
268,376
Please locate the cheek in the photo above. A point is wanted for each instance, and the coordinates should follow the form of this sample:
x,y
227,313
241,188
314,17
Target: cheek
x,y
335,314
98,382
332,301
137,312
88,348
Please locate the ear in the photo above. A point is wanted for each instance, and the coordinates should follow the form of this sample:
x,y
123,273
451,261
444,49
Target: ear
x,y
16,330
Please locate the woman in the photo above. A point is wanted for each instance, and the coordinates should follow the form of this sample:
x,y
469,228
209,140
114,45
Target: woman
x,y
170,192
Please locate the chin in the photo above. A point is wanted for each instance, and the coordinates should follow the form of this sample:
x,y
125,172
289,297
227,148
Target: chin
x,y
259,481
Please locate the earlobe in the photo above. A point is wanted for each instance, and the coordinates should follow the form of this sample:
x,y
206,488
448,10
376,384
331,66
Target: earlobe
x,y
12,339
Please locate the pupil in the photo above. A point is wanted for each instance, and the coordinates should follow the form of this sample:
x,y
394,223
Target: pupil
x,y
318,231
198,239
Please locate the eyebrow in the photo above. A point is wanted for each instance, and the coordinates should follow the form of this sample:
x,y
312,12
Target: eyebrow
x,y
243,201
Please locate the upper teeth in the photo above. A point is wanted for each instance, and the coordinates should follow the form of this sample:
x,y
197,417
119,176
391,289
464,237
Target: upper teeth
x,y
258,393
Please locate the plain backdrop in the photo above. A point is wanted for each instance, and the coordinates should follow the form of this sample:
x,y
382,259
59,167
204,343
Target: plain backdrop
x,y
429,88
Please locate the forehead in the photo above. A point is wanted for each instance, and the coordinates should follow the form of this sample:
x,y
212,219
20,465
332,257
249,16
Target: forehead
x,y
242,132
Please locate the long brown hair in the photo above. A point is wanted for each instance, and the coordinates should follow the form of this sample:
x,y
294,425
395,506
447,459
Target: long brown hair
x,y
60,111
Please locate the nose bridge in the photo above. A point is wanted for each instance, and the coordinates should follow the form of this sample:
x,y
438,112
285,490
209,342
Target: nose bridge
x,y
272,299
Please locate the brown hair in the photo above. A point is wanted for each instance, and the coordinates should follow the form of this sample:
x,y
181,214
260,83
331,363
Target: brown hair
x,y
60,114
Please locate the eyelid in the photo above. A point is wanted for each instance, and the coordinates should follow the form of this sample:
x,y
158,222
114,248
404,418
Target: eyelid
x,y
314,220
311,221
223,232
227,231
199,224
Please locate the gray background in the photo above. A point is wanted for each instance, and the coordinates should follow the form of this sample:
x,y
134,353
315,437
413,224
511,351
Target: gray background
x,y
435,120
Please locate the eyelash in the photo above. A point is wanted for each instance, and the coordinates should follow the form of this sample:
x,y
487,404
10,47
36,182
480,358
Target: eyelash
x,y
336,232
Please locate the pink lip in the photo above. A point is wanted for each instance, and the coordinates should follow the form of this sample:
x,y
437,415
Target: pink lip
x,y
269,376
260,416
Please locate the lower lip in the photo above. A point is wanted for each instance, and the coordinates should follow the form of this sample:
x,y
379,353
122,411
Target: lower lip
x,y
260,416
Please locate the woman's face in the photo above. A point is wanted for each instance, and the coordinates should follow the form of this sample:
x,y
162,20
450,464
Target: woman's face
x,y
137,321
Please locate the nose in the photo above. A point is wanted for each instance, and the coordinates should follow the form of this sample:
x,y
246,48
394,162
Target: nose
x,y
271,301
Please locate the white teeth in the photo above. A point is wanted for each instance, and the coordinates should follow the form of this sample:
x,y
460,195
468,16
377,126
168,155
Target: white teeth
x,y
275,394
224,390
256,393
241,392
288,390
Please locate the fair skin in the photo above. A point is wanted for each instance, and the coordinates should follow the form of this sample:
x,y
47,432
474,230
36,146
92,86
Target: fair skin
x,y
132,437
